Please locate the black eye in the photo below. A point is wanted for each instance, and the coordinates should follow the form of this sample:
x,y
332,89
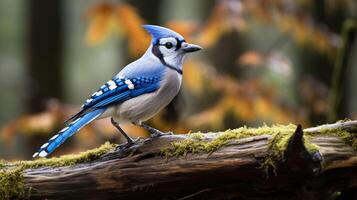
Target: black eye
x,y
168,45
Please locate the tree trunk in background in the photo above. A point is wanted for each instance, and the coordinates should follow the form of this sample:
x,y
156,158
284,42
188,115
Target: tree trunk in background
x,y
340,82
44,52
149,10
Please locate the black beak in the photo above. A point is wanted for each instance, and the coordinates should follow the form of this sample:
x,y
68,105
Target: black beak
x,y
191,48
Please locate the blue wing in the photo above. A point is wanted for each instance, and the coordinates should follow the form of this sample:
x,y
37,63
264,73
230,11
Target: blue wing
x,y
118,90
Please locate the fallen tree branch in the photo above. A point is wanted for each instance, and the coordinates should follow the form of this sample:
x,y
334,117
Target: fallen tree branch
x,y
212,166
342,125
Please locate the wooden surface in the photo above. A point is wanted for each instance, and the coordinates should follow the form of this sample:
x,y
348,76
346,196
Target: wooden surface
x,y
232,172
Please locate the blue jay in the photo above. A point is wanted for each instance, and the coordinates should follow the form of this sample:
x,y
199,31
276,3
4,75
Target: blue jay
x,y
137,92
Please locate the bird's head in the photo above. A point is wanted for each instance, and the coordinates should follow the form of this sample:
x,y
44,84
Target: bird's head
x,y
169,46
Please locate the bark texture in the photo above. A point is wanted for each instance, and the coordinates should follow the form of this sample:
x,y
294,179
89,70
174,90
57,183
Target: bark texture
x,y
234,171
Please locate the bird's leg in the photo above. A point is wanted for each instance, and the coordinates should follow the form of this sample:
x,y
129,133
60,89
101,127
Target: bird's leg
x,y
130,141
153,131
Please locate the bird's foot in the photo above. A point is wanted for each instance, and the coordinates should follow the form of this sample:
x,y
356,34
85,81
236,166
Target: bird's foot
x,y
158,133
128,144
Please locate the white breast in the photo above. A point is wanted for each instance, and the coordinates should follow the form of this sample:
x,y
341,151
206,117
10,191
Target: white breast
x,y
145,106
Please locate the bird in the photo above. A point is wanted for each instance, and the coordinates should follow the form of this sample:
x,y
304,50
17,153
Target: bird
x,y
138,92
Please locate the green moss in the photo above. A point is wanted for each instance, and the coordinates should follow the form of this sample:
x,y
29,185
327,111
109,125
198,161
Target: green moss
x,y
347,137
196,143
196,136
344,120
2,164
280,137
269,164
282,141
11,177
67,160
310,146
12,184
277,147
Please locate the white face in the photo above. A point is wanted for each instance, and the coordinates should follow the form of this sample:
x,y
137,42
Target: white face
x,y
170,49
167,46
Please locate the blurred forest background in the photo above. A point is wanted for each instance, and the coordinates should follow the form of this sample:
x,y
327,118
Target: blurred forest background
x,y
264,61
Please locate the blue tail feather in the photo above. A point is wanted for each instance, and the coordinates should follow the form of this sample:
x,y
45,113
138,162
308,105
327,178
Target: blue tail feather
x,y
67,132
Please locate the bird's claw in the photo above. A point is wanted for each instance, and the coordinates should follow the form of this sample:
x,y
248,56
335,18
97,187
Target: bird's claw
x,y
127,145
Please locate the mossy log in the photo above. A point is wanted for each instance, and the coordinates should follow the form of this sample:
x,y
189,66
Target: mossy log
x,y
275,163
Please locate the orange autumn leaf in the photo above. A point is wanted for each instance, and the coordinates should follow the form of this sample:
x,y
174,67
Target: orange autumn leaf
x,y
226,16
34,124
104,18
40,123
8,133
100,23
246,109
213,29
194,80
242,108
161,122
212,117
129,23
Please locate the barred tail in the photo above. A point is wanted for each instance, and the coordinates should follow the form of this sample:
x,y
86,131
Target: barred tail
x,y
67,132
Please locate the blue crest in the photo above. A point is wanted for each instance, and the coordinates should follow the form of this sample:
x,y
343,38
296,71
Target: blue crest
x,y
158,32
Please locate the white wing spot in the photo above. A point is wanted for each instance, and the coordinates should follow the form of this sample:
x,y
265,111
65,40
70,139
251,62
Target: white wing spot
x,y
130,84
64,129
111,83
75,121
35,155
89,100
44,145
43,153
99,93
112,87
54,137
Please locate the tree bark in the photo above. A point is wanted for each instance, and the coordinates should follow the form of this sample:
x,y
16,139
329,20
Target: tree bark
x,y
232,172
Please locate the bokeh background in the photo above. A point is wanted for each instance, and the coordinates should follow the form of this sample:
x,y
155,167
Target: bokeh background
x,y
264,61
